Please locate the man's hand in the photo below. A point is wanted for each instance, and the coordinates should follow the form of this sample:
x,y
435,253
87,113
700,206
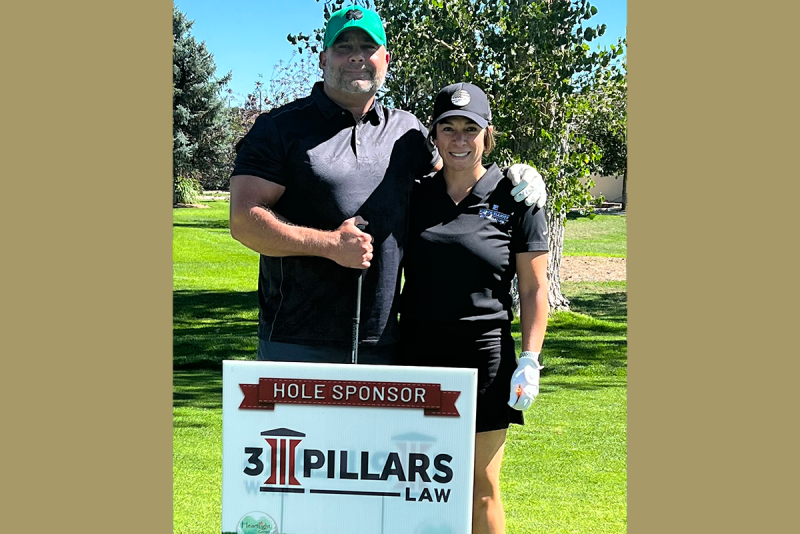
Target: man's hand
x,y
529,185
525,382
354,247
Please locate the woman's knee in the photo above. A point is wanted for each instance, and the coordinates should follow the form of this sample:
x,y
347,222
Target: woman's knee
x,y
488,459
487,485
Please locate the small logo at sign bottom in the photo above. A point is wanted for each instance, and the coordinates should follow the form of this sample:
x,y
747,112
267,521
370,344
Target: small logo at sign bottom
x,y
257,523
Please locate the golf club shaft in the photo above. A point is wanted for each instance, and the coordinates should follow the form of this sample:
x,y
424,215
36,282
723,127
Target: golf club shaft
x,y
357,316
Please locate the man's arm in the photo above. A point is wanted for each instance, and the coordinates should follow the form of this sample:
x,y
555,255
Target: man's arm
x,y
529,185
256,226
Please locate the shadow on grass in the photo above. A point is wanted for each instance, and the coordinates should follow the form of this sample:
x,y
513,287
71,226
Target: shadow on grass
x,y
591,341
196,389
203,223
572,215
211,326
620,383
610,306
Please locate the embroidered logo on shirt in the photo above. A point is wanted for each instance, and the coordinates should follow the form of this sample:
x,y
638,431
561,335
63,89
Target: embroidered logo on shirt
x,y
493,215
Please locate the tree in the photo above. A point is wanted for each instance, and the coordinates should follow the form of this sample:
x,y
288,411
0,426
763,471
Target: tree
x,y
530,58
290,80
605,118
200,132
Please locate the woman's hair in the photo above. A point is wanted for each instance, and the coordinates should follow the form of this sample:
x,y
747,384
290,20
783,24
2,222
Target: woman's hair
x,y
488,141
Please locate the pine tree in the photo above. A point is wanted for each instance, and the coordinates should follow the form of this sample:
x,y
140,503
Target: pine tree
x,y
199,117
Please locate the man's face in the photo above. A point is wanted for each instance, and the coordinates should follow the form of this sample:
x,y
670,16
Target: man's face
x,y
354,63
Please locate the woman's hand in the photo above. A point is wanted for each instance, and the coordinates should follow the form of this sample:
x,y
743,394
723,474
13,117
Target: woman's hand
x,y
525,381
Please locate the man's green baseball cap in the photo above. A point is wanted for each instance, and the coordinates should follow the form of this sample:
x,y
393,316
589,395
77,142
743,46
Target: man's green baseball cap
x,y
355,17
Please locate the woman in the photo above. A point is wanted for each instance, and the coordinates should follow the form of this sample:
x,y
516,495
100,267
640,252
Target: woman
x,y
467,239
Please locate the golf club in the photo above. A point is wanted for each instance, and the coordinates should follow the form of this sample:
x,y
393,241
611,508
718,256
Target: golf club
x,y
357,307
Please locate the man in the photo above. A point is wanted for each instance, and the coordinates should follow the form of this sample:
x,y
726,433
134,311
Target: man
x,y
325,164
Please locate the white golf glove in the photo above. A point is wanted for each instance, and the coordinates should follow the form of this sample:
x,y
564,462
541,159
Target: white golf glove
x,y
525,381
528,185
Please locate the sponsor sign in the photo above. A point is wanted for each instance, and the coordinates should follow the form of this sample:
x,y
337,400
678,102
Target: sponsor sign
x,y
355,449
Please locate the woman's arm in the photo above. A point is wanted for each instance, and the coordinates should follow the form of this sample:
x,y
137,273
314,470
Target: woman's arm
x,y
533,304
533,308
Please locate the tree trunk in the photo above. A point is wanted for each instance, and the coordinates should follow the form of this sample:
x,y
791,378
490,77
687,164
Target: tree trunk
x,y
555,242
625,188
515,296
555,229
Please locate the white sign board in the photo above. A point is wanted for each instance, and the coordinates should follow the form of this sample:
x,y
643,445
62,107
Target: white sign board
x,y
312,448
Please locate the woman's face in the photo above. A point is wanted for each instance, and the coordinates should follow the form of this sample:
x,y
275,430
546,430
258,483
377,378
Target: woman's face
x,y
461,143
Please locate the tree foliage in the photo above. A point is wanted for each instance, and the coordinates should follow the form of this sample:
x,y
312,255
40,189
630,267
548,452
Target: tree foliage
x,y
290,80
604,119
532,57
200,130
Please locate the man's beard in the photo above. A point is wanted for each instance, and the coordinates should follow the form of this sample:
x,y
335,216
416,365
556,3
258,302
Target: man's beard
x,y
371,85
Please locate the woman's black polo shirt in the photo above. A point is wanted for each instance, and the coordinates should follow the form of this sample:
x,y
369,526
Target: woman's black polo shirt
x,y
460,258
333,168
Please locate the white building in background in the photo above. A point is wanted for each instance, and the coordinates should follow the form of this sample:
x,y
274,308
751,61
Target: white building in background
x,y
609,187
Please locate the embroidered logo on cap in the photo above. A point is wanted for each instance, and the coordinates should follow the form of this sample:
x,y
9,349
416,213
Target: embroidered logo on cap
x,y
354,14
460,98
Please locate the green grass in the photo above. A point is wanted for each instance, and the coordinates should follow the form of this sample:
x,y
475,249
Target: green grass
x,y
591,339
214,298
197,452
564,470
603,235
205,257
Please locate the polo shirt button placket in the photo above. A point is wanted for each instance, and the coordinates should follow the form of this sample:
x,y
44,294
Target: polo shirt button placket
x,y
355,134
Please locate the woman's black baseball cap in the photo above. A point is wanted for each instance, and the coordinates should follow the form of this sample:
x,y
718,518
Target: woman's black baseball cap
x,y
462,100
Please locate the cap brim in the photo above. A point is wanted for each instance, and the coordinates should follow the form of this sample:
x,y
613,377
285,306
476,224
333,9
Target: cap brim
x,y
344,29
477,119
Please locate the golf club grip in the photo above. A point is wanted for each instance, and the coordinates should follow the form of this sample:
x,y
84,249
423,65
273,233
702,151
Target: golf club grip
x,y
357,308
354,352
361,227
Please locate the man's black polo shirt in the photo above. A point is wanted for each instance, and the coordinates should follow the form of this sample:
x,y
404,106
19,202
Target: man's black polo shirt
x,y
334,168
460,258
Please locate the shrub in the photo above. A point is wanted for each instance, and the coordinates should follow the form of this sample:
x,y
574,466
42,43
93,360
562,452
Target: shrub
x,y
187,189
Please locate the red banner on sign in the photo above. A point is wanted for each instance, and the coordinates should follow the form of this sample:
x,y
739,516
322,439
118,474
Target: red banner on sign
x,y
271,391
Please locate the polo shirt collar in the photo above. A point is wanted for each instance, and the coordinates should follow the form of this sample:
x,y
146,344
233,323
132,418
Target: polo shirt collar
x,y
375,113
329,108
487,183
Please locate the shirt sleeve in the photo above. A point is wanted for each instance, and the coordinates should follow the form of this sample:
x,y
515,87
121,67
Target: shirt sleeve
x,y
260,152
530,231
430,154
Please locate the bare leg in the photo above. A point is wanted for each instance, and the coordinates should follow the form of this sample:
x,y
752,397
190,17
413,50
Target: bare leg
x,y
488,516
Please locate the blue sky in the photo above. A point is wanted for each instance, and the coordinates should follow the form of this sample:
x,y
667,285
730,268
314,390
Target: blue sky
x,y
248,37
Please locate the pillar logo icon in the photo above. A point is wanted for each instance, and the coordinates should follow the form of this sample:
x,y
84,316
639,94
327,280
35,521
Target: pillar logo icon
x,y
282,443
